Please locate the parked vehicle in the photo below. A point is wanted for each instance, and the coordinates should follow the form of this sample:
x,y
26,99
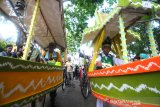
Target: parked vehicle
x,y
133,83
41,22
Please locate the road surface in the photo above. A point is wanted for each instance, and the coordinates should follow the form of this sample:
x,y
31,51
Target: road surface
x,y
71,97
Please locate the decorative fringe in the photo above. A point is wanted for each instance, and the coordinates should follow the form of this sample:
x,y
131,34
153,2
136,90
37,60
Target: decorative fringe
x,y
151,39
123,39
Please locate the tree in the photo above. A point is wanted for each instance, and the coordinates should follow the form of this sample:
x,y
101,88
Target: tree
x,y
156,32
2,45
76,15
143,45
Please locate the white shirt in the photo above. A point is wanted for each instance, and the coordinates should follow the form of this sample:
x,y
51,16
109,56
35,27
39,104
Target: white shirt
x,y
69,66
116,61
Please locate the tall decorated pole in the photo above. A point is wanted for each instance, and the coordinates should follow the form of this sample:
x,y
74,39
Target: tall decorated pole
x,y
123,40
151,39
97,45
31,31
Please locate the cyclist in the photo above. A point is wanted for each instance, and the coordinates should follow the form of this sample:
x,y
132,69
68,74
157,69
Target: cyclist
x,y
69,67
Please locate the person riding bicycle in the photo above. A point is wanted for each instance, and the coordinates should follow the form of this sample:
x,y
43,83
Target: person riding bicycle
x,y
104,60
69,68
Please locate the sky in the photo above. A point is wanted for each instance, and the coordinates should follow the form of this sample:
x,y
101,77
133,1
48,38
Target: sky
x,y
8,30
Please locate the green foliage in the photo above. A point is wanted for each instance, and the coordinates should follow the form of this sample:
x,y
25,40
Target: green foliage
x,y
3,44
156,32
143,45
107,9
76,16
88,5
26,66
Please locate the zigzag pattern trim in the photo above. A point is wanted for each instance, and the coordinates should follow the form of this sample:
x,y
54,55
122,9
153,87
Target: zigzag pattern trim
x,y
134,34
32,85
26,101
124,87
29,100
28,67
150,64
138,3
158,6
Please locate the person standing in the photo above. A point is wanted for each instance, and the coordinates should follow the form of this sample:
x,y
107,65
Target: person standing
x,y
20,52
52,55
105,60
8,50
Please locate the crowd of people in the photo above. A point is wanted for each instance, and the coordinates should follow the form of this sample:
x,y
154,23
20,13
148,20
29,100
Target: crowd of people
x,y
8,51
34,55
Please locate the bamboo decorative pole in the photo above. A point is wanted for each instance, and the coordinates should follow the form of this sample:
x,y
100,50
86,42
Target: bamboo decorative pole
x,y
151,39
97,45
31,31
123,40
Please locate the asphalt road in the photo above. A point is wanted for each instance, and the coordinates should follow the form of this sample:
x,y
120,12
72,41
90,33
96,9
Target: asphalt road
x,y
71,97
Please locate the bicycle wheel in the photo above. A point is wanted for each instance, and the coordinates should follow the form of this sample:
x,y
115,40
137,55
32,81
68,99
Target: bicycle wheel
x,y
64,82
63,85
85,88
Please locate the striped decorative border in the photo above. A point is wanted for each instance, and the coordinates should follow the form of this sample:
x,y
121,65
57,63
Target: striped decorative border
x,y
22,81
31,86
22,88
135,34
139,4
22,102
122,103
144,87
125,86
142,66
12,64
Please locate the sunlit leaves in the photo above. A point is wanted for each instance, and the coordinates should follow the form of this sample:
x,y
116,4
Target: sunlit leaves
x,y
76,16
143,45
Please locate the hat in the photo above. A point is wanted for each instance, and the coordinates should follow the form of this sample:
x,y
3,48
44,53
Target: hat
x,y
107,42
9,45
144,56
136,57
52,45
57,50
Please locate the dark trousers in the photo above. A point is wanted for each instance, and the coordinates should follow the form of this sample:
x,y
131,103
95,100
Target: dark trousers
x,y
53,95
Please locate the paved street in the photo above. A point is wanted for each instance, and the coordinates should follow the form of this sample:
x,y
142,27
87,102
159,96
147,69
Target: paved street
x,y
72,97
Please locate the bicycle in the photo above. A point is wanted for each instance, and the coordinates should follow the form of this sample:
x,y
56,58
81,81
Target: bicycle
x,y
85,85
64,83
66,80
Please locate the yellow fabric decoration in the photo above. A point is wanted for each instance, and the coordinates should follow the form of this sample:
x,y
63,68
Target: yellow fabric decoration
x,y
97,45
31,31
